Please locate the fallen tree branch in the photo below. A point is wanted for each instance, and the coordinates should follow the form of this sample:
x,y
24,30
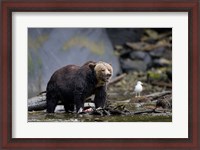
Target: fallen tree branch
x,y
158,94
162,84
147,111
152,97
117,79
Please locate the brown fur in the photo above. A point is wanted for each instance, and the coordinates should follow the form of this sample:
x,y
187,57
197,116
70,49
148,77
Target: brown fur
x,y
72,84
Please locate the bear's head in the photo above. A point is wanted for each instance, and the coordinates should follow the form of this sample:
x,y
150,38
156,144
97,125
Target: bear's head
x,y
103,71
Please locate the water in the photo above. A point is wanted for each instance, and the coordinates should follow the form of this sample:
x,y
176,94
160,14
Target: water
x,y
42,116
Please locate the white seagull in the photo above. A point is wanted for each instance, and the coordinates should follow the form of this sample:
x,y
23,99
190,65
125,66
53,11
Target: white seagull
x,y
138,89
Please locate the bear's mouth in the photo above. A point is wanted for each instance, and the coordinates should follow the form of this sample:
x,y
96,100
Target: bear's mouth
x,y
107,79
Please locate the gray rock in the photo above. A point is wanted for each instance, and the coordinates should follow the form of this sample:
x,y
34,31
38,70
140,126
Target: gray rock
x,y
162,62
120,36
162,52
164,103
168,54
89,105
52,48
158,52
133,65
138,55
144,56
60,108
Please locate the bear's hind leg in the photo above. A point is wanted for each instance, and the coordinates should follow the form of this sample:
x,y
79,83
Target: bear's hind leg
x,y
79,105
51,105
69,107
79,100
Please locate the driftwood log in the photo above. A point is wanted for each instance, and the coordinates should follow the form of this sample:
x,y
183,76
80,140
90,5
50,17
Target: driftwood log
x,y
37,102
117,79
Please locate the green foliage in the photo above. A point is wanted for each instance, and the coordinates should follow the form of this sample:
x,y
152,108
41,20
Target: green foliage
x,y
36,43
97,48
31,67
157,75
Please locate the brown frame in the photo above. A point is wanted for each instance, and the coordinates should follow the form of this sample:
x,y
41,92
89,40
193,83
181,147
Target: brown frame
x,y
9,6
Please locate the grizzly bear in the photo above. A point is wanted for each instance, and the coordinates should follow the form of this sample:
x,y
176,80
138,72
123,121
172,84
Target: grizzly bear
x,y
72,84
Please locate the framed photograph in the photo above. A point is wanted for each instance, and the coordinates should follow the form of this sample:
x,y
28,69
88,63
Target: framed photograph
x,y
100,74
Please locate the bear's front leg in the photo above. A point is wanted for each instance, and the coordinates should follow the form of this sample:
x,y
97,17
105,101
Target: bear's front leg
x,y
100,97
79,101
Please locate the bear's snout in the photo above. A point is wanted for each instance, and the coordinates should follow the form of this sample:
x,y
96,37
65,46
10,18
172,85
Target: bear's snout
x,y
108,75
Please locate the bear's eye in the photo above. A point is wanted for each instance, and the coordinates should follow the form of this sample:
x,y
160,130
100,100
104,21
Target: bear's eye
x,y
102,69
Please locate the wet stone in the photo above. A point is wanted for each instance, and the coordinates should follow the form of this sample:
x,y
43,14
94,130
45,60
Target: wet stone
x,y
139,55
133,65
157,52
162,62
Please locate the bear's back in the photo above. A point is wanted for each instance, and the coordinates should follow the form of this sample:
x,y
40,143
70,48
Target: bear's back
x,y
62,77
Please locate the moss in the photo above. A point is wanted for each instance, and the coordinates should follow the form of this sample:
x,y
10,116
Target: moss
x,y
31,67
157,75
39,63
97,48
37,42
154,75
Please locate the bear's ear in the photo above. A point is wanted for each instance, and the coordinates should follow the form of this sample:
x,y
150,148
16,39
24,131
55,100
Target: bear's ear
x,y
92,65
